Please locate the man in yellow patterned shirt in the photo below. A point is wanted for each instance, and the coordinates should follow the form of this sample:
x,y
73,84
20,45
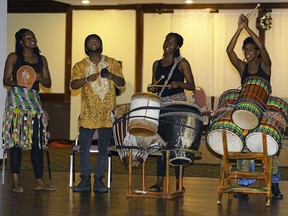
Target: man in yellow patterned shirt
x,y
96,75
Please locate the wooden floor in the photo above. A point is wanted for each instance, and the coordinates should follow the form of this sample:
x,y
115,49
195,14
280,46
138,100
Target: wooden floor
x,y
200,199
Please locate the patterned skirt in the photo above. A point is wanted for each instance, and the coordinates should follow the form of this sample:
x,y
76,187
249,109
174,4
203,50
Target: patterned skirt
x,y
23,107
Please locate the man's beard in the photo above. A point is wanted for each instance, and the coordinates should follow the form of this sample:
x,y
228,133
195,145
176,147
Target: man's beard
x,y
97,51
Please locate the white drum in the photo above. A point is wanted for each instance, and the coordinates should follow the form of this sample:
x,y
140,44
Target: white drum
x,y
144,114
274,125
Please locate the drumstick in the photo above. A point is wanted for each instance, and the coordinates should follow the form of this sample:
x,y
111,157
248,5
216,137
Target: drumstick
x,y
249,14
165,86
162,77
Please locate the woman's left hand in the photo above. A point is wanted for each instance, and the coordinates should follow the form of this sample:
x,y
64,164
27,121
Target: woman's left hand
x,y
38,77
174,84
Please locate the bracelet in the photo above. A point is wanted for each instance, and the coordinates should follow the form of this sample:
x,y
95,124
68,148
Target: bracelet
x,y
112,76
86,79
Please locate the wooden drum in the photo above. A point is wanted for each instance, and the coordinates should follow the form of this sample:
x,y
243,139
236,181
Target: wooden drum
x,y
144,114
251,103
222,120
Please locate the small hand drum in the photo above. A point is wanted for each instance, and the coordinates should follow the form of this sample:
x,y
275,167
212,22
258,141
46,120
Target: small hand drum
x,y
26,76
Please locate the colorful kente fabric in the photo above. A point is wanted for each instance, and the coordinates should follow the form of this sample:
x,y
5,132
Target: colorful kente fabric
x,y
22,108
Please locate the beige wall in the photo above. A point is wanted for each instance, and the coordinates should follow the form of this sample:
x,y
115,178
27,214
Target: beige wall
x,y
117,29
3,54
50,33
156,27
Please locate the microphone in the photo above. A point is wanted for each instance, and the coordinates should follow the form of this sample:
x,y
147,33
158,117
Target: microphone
x,y
104,73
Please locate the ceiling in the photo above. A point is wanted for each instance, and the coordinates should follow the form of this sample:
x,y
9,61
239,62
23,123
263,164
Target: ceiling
x,y
61,6
117,2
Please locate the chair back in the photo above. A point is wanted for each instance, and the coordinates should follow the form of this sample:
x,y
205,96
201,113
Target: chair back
x,y
200,97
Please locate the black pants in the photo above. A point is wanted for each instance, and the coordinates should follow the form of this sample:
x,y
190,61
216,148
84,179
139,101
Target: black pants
x,y
36,154
161,167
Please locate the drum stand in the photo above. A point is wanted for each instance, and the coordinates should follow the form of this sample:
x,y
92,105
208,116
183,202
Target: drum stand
x,y
143,193
226,174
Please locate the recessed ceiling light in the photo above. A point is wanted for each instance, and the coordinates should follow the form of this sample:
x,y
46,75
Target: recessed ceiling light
x,y
188,1
85,1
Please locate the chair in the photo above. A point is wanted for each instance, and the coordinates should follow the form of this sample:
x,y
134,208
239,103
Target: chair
x,y
4,165
93,149
201,100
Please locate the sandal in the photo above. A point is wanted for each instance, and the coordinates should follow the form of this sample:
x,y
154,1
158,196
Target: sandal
x,y
17,190
44,187
183,188
156,188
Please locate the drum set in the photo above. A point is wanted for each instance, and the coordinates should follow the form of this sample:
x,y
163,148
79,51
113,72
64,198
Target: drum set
x,y
245,114
144,127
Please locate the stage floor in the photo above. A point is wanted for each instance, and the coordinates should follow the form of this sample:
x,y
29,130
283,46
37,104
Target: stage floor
x,y
200,199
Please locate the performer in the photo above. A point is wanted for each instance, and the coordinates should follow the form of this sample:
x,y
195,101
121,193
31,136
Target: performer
x,y
177,73
25,122
97,76
256,63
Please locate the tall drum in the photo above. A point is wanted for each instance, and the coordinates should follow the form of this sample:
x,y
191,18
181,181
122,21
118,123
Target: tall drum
x,y
124,141
274,123
251,103
275,104
144,114
180,126
222,120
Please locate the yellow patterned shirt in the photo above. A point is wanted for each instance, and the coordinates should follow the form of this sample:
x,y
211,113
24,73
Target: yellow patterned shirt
x,y
98,98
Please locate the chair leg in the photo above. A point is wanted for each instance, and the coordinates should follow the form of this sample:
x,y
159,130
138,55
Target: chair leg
x,y
109,170
72,169
3,166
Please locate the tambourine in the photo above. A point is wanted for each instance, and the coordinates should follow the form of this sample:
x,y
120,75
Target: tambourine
x,y
26,76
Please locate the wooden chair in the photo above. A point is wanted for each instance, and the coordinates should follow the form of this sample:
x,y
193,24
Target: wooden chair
x,y
201,100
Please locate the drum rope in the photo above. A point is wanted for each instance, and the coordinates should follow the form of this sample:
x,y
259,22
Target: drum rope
x,y
127,117
154,108
225,111
270,120
261,103
274,117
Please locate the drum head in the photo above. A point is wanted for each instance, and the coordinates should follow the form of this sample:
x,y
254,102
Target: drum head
x,y
180,157
245,119
214,140
139,127
26,76
254,143
144,114
139,155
